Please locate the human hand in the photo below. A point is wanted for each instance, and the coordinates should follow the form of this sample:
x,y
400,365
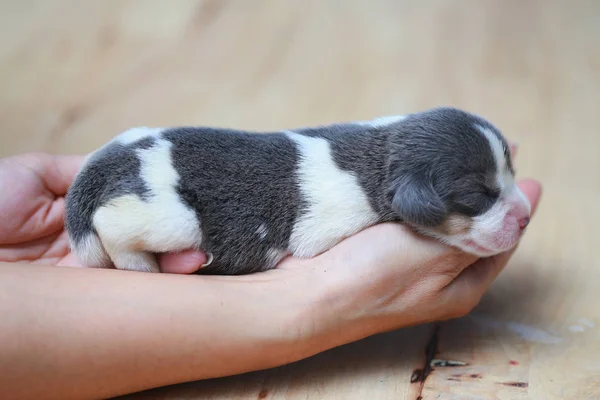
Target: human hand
x,y
32,209
387,277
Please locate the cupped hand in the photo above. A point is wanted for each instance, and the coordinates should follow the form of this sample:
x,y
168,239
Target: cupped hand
x,y
32,209
394,277
387,277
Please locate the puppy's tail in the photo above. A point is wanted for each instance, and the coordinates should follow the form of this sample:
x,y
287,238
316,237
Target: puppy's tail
x,y
80,204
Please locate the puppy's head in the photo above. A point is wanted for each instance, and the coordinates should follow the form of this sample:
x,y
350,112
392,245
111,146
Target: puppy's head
x,y
451,177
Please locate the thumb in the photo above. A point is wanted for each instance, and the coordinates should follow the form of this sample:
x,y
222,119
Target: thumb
x,y
185,262
55,171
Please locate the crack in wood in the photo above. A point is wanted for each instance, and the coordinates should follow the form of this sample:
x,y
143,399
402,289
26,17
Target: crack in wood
x,y
515,384
420,375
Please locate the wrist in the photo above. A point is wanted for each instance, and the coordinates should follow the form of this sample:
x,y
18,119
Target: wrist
x,y
328,310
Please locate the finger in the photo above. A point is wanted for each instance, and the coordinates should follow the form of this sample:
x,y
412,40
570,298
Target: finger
x,y
513,148
28,251
70,260
474,280
185,262
46,218
61,172
56,171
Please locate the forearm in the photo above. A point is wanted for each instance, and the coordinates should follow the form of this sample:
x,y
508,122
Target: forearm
x,y
80,333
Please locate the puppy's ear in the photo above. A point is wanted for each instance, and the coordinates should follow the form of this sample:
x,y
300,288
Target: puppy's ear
x,y
416,202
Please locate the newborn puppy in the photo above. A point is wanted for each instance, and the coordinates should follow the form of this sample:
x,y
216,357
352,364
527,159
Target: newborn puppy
x,y
250,199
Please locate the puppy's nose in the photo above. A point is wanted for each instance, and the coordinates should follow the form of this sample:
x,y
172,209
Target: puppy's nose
x,y
523,222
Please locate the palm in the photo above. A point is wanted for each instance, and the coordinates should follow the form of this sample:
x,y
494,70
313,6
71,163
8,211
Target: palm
x,y
32,208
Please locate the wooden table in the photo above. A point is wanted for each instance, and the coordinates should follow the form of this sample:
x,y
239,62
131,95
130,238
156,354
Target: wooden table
x,y
73,74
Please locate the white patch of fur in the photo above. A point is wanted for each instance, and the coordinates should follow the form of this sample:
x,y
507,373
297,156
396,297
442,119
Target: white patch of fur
x,y
134,134
337,206
382,121
129,226
489,228
503,176
509,189
262,231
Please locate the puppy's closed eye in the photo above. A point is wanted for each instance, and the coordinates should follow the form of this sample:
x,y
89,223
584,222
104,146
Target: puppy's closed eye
x,y
474,202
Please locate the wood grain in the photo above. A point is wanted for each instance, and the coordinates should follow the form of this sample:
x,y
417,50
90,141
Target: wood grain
x,y
73,74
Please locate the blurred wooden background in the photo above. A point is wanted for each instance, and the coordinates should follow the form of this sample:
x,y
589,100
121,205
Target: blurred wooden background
x,y
75,73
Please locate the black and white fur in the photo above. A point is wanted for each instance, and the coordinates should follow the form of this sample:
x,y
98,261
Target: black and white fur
x,y
249,199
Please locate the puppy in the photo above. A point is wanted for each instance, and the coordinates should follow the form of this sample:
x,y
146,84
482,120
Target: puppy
x,y
250,199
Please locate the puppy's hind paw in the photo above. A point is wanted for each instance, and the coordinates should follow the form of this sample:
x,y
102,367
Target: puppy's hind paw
x,y
136,261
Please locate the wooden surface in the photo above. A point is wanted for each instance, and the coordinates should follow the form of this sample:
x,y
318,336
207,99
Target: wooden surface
x,y
75,73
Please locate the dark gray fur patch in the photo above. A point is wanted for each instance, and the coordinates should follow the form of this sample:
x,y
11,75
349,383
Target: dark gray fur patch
x,y
111,172
235,182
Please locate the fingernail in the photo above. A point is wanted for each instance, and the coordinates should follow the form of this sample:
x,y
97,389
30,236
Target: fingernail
x,y
209,261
